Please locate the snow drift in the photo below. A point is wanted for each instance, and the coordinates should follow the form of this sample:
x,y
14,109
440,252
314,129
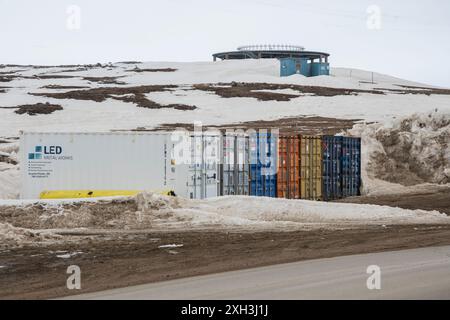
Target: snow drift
x,y
153,211
410,151
13,236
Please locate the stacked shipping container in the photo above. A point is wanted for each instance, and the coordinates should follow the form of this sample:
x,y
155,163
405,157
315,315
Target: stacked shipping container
x,y
311,168
288,175
234,167
351,166
308,167
258,164
263,155
202,169
299,173
331,167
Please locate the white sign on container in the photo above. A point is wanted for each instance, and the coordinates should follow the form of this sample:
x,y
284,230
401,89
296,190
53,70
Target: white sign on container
x,y
108,161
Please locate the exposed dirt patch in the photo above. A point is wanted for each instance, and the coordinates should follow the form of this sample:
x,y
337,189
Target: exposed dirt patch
x,y
104,80
289,125
6,158
56,86
142,101
424,92
119,260
4,89
38,108
11,72
52,76
420,90
101,94
130,62
134,95
253,90
413,87
39,76
75,69
367,82
8,139
52,66
152,70
6,78
182,107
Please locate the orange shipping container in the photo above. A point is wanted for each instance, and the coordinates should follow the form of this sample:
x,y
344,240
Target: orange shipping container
x,y
288,175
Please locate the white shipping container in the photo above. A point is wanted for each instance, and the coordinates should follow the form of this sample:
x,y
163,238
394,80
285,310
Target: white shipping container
x,y
201,167
234,171
108,161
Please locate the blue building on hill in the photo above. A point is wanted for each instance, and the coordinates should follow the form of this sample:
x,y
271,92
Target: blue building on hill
x,y
293,59
304,66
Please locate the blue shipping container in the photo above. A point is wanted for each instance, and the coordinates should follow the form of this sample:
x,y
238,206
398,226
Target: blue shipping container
x,y
341,163
351,166
331,167
263,164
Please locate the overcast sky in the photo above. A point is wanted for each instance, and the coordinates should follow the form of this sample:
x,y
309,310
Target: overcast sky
x,y
408,39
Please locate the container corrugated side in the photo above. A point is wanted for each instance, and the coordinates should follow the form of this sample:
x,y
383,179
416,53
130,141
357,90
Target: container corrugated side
x,y
331,167
202,171
351,166
234,167
288,175
263,162
311,167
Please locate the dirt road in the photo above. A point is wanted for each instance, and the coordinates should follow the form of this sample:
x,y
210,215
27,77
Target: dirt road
x,y
125,259
422,273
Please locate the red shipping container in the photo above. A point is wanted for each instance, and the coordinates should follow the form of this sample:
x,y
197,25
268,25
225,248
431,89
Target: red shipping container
x,y
288,175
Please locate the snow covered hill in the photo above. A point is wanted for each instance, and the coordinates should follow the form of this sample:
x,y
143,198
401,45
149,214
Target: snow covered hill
x,y
19,83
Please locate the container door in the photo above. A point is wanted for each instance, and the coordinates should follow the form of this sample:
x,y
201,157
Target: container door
x,y
282,184
288,175
311,168
209,183
195,168
346,167
255,167
331,167
263,162
242,162
352,151
294,168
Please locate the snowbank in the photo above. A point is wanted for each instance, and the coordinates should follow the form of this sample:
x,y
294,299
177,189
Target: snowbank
x,y
13,236
271,210
408,151
9,181
152,211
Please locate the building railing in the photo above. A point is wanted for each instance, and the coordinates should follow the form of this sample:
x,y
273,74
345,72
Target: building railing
x,y
271,47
